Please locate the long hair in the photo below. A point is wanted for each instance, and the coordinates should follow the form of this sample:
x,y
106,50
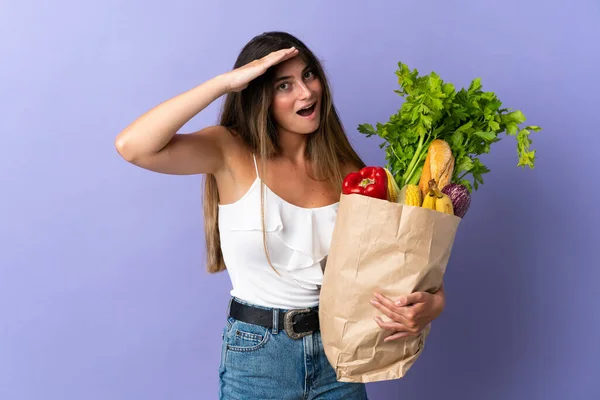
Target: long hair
x,y
247,113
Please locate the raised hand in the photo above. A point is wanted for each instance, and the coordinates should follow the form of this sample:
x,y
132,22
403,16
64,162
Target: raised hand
x,y
239,78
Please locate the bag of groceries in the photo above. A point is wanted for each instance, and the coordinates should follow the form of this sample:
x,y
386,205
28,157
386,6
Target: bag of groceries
x,y
397,241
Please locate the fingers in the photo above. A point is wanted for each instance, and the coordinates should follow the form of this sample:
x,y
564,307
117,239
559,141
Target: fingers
x,y
293,52
399,330
407,315
403,318
280,56
401,307
278,53
241,77
392,325
413,298
387,308
398,335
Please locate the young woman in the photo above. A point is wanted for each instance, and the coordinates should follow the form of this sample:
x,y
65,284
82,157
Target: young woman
x,y
273,166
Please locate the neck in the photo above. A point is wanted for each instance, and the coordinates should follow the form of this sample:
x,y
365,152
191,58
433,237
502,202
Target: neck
x,y
293,146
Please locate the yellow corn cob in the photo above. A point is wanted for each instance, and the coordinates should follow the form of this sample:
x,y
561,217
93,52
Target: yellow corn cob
x,y
392,186
411,196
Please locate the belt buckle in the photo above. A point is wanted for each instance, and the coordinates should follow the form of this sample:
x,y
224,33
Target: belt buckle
x,y
288,323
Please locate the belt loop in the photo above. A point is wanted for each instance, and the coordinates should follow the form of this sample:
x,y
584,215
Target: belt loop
x,y
229,307
275,328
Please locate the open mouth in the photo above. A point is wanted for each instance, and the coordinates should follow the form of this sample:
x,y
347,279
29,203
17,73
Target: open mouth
x,y
308,111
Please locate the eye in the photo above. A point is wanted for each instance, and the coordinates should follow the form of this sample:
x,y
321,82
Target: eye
x,y
309,75
283,86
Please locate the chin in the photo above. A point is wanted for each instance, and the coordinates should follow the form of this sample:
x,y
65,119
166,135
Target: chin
x,y
305,127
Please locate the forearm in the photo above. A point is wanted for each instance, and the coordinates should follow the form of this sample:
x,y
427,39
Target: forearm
x,y
153,130
440,299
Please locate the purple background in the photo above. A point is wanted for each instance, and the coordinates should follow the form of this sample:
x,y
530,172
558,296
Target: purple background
x,y
103,293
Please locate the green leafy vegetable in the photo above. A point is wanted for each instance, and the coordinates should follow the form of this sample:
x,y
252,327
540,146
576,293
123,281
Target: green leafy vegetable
x,y
470,120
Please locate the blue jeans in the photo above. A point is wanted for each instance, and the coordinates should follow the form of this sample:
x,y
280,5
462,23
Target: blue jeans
x,y
263,363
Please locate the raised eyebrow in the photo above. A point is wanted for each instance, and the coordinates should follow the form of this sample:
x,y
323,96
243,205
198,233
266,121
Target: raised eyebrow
x,y
283,78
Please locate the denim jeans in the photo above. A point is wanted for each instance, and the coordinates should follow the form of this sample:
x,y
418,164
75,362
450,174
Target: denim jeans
x,y
259,363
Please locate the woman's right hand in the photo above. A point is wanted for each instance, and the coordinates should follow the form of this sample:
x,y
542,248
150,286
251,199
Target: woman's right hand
x,y
239,78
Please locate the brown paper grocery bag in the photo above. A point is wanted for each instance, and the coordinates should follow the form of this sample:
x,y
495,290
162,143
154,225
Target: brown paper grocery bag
x,y
379,246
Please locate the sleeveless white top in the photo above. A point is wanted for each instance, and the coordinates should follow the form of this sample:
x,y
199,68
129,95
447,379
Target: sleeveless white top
x,y
297,239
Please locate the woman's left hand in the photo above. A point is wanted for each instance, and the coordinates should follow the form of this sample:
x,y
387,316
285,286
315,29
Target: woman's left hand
x,y
409,314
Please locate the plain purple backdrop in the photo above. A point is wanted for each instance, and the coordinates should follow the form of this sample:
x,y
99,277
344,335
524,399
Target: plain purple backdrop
x,y
103,290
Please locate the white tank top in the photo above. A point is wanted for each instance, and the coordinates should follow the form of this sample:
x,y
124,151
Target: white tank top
x,y
298,241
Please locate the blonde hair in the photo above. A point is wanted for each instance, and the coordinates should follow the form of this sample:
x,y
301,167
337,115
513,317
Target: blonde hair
x,y
247,114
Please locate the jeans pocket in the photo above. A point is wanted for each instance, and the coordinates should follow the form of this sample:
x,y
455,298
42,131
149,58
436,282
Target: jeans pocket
x,y
244,337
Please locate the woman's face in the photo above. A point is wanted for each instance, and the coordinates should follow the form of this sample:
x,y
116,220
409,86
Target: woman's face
x,y
297,97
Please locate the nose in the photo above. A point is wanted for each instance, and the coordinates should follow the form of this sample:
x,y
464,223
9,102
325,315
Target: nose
x,y
304,91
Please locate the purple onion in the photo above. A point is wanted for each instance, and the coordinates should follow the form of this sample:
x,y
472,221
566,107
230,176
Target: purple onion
x,y
460,197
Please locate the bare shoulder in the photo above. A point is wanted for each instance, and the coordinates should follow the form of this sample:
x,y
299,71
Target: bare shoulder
x,y
233,151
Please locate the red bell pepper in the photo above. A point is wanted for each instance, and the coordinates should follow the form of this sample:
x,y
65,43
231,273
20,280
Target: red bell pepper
x,y
369,181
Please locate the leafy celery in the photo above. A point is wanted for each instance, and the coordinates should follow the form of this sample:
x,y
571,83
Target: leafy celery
x,y
470,120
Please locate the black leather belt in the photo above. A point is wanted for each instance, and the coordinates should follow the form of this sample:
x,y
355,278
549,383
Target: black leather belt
x,y
296,323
